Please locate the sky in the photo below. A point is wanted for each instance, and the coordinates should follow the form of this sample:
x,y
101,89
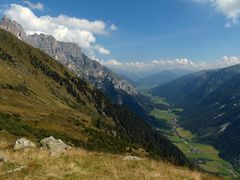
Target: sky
x,y
139,34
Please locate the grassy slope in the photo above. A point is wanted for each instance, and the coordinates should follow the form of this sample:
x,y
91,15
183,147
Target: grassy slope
x,y
39,98
81,164
205,155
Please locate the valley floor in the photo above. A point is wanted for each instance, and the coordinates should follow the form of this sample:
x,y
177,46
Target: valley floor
x,y
206,156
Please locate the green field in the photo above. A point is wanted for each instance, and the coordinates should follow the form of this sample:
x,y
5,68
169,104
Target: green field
x,y
165,115
155,99
206,156
186,134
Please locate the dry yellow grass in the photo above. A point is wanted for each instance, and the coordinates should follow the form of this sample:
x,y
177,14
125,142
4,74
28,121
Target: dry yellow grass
x,y
81,164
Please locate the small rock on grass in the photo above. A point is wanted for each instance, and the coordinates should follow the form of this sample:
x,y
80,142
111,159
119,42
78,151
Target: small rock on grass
x,y
23,143
132,158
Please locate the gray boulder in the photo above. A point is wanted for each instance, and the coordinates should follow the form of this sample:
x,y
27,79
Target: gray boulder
x,y
55,146
23,143
132,158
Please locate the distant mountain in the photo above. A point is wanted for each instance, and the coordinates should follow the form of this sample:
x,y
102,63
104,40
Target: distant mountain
x,y
128,79
39,97
132,74
211,103
71,56
161,78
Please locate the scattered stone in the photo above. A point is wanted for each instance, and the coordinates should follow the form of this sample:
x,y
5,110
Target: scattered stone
x,y
114,133
23,143
13,170
3,159
132,158
55,146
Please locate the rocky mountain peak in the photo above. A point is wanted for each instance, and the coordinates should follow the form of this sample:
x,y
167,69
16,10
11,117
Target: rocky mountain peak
x,y
13,27
71,56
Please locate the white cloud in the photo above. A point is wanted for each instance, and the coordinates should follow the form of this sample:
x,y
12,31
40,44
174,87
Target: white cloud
x,y
230,60
230,8
62,27
113,27
112,62
102,50
37,6
181,63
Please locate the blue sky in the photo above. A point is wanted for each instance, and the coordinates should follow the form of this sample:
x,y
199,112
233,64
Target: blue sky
x,y
198,30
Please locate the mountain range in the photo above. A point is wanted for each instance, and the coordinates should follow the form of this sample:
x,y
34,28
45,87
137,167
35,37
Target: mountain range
x,y
50,87
70,55
160,78
211,102
40,97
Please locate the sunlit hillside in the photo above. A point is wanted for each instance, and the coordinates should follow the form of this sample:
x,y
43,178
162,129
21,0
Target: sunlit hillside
x,y
81,164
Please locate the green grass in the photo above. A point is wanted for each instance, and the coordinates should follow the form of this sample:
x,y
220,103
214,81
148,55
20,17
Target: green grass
x,y
158,100
166,115
205,155
186,134
155,99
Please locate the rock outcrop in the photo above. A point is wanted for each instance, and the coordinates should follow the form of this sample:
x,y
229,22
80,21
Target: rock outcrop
x,y
22,144
14,28
55,146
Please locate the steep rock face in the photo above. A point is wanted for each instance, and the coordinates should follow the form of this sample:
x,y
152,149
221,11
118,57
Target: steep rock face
x,y
70,55
14,28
